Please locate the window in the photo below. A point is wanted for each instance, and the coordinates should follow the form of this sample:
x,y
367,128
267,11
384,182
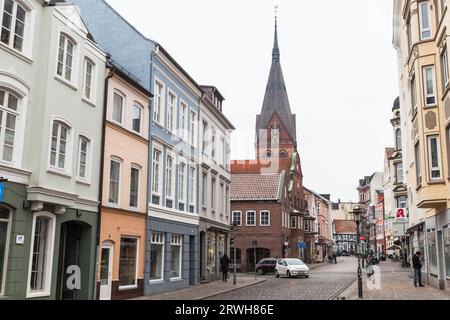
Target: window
x,y
114,181
425,20
192,185
213,194
204,188
447,133
134,186
181,183
13,25
128,262
227,194
221,195
59,145
5,223
192,128
251,218
264,219
432,255
169,177
398,139
445,73
413,95
183,119
213,144
446,234
398,172
9,115
434,158
158,103
293,222
306,225
157,257
117,107
89,74
171,112
204,136
222,145
156,171
237,218
83,157
137,116
175,250
41,257
408,34
65,57
402,202
418,164
429,86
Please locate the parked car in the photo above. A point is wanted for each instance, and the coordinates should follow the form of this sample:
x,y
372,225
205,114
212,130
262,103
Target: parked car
x,y
266,266
291,268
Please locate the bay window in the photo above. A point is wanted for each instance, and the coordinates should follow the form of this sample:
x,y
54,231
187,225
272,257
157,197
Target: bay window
x,y
398,172
425,20
128,266
398,139
434,158
157,257
175,250
14,20
59,145
9,115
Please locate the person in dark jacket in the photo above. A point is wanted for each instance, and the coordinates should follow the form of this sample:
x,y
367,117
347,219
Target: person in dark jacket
x,y
225,265
417,265
334,258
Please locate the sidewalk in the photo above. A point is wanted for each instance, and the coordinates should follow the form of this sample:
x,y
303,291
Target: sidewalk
x,y
203,291
393,283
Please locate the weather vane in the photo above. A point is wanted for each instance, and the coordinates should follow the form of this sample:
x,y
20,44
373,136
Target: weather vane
x,y
276,12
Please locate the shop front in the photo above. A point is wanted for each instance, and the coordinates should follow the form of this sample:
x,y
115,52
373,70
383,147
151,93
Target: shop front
x,y
214,243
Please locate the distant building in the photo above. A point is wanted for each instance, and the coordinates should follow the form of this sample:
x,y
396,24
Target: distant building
x,y
344,235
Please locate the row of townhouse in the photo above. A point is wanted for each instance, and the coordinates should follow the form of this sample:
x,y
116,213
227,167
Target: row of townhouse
x,y
420,33
114,172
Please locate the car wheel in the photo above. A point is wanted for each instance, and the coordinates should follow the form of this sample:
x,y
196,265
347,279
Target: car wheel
x,y
288,274
276,274
260,271
306,277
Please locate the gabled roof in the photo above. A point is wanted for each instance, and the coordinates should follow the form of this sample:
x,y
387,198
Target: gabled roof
x,y
276,99
247,187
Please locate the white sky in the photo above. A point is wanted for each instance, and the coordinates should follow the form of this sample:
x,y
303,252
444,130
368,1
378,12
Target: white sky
x,y
338,63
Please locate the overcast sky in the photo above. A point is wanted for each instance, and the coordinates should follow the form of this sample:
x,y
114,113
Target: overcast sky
x,y
338,63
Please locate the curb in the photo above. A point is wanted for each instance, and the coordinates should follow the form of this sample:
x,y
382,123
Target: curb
x,y
230,290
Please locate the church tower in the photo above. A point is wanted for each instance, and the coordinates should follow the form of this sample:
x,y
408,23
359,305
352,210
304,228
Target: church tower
x,y
276,125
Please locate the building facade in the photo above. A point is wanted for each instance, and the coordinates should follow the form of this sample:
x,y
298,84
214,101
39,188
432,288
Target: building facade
x,y
51,154
120,272
344,236
420,39
214,185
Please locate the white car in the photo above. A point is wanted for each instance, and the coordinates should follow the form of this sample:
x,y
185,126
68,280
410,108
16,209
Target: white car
x,y
291,267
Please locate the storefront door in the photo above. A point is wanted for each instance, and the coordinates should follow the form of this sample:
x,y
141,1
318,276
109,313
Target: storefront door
x,y
106,271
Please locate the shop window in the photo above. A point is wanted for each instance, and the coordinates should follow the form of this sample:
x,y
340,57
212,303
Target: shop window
x,y
157,257
176,245
128,262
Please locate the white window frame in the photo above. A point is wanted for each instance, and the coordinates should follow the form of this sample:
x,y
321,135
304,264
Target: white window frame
x,y
67,170
29,26
204,199
119,188
182,194
93,84
137,105
171,112
254,218
160,172
137,167
293,222
159,98
439,159
205,141
240,218
433,78
413,89
213,144
159,238
170,196
6,255
135,285
74,68
88,166
445,71
192,185
124,103
213,194
261,220
48,259
193,128
221,194
183,125
422,28
177,240
17,128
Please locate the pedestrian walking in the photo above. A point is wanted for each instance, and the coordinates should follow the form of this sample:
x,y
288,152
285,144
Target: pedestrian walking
x,y
334,258
417,265
225,265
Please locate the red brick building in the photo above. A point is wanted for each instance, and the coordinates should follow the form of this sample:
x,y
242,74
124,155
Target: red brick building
x,y
272,184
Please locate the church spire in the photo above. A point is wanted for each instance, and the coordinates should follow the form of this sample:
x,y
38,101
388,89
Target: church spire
x,y
276,50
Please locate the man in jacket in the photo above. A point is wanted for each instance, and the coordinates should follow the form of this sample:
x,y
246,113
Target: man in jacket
x,y
225,265
417,265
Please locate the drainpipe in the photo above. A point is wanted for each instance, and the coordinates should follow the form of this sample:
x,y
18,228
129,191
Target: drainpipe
x,y
102,159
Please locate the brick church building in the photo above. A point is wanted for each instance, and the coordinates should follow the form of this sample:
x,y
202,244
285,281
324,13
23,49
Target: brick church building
x,y
267,198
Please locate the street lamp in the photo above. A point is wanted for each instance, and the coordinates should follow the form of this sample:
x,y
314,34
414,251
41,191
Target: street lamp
x,y
234,228
357,212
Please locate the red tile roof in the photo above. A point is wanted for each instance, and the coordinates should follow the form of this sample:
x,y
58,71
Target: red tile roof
x,y
345,226
255,186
